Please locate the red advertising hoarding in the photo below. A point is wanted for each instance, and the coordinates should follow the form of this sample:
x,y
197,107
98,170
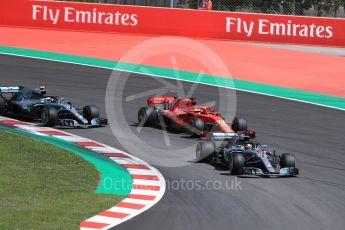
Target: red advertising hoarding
x,y
175,22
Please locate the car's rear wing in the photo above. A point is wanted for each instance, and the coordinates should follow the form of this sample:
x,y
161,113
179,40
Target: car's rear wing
x,y
10,89
222,136
244,135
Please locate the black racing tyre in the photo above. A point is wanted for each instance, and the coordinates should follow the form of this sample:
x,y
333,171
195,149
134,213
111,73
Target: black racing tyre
x,y
49,116
167,122
90,112
239,124
204,149
196,127
147,116
287,160
2,105
236,163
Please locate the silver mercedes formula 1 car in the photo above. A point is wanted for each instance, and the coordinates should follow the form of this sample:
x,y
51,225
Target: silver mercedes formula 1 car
x,y
34,104
243,156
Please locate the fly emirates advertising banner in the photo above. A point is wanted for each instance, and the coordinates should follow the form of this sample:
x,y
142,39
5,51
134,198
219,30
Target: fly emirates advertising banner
x,y
174,22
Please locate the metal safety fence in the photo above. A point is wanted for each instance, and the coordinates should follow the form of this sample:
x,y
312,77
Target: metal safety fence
x,y
319,8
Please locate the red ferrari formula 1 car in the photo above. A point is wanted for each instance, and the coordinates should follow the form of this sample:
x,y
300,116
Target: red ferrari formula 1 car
x,y
183,114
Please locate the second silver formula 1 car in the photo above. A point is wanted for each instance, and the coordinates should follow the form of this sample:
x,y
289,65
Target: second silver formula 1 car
x,y
34,104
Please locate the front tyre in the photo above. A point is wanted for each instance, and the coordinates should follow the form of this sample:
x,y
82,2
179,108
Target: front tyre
x,y
236,163
49,116
287,160
239,124
204,150
90,112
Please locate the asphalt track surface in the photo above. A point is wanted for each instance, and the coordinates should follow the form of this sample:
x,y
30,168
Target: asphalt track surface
x,y
314,200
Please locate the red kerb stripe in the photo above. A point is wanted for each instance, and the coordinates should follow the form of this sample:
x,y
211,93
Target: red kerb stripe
x,y
141,197
146,187
11,122
130,205
88,224
113,214
135,166
88,143
144,177
122,155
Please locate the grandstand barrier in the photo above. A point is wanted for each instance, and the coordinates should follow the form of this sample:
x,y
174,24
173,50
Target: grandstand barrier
x,y
173,22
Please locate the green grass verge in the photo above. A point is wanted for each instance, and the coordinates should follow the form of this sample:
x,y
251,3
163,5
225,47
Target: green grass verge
x,y
44,187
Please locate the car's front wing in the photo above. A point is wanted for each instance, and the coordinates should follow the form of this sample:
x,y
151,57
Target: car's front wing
x,y
283,172
96,122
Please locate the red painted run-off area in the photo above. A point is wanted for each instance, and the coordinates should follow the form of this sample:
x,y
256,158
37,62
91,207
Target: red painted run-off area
x,y
292,69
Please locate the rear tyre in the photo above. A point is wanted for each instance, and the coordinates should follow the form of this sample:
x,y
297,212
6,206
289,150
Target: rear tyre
x,y
167,122
90,112
49,116
287,160
147,116
197,127
239,124
204,150
236,163
2,105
